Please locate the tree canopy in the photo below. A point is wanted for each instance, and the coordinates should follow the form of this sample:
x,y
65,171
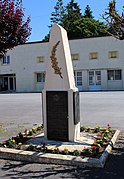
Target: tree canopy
x,y
57,15
13,29
88,27
77,25
71,15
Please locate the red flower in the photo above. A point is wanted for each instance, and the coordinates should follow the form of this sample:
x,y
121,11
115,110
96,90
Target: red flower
x,y
94,147
108,125
4,143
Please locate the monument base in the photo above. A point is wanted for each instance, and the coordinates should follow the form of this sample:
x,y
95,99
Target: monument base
x,y
59,111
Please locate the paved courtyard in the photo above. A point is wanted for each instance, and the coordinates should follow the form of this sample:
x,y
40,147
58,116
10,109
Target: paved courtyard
x,y
21,111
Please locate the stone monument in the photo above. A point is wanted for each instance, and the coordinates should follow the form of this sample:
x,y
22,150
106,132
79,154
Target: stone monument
x,y
61,115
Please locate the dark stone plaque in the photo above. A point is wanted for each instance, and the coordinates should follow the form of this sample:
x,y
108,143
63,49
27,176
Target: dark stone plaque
x,y
76,108
57,115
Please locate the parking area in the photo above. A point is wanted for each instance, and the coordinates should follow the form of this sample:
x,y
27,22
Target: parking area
x,y
23,111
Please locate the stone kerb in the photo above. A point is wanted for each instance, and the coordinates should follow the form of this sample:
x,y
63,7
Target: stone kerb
x,y
39,157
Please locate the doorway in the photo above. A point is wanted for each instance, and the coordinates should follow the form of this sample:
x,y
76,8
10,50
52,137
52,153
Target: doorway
x,y
94,80
8,82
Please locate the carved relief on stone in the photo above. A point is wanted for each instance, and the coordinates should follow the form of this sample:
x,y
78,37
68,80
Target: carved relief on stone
x,y
54,62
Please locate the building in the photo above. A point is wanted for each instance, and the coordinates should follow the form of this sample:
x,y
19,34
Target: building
x,y
98,65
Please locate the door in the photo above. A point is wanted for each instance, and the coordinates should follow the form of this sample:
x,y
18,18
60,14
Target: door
x,y
8,83
94,80
5,83
11,83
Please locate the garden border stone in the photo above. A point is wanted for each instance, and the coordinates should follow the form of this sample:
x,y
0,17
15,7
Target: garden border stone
x,y
39,157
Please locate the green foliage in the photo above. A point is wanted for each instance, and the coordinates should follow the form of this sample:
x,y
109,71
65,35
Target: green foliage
x,y
87,27
82,128
76,24
88,12
76,153
46,38
97,129
57,15
72,14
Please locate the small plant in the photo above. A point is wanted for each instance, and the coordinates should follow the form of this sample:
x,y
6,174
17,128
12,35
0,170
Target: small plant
x,y
30,132
65,151
95,149
76,153
31,147
40,127
11,143
34,130
44,147
101,142
26,132
55,150
82,129
109,128
86,151
97,129
88,129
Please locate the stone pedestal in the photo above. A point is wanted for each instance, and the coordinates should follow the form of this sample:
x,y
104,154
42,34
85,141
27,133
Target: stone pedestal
x,y
60,95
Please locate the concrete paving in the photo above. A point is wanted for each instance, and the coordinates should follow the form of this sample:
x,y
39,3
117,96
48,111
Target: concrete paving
x,y
101,108
22,111
98,108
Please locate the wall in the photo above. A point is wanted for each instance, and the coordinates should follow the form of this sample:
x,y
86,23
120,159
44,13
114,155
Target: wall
x,y
24,62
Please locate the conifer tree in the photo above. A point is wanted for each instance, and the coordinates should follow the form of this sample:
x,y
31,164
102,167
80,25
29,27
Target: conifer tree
x,y
72,14
87,12
57,15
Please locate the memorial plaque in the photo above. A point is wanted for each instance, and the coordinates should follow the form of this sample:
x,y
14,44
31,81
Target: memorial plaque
x,y
57,115
76,108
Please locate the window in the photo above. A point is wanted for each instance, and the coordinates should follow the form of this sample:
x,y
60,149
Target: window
x,y
94,78
78,78
93,55
41,77
6,60
113,54
40,59
75,56
114,74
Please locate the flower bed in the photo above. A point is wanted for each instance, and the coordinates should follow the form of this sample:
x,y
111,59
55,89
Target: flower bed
x,y
102,139
17,141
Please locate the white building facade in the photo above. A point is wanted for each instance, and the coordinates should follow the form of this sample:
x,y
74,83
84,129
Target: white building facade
x,y
98,64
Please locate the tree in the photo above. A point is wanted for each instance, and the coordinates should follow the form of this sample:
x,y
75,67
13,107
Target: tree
x,y
46,38
72,14
13,29
57,15
78,25
88,27
114,20
88,12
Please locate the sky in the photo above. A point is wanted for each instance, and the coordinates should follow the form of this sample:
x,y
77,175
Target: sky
x,y
40,13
